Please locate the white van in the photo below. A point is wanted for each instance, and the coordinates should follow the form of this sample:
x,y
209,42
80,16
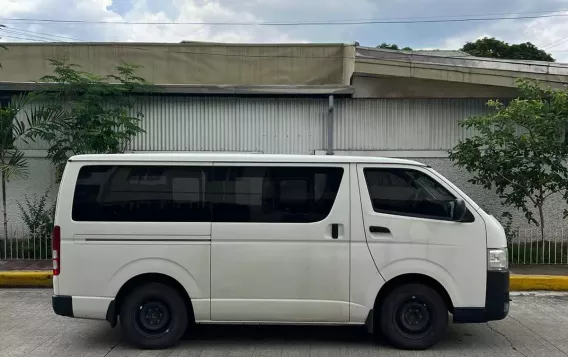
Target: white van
x,y
166,240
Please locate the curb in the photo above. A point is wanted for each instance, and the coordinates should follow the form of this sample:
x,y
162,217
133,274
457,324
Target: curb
x,y
26,279
539,282
43,279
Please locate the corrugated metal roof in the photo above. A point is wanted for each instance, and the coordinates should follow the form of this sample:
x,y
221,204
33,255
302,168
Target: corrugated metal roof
x,y
538,67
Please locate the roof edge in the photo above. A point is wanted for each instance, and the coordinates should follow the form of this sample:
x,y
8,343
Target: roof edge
x,y
326,89
179,44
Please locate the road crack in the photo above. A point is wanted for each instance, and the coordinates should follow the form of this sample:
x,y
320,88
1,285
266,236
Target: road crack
x,y
533,331
112,348
507,339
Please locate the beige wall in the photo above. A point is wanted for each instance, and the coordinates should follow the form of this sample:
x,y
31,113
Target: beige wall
x,y
401,87
187,63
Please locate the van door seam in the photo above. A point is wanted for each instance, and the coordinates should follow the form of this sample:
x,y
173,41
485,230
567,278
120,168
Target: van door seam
x,y
364,224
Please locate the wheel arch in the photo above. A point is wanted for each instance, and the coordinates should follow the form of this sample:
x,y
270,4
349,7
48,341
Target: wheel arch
x,y
390,285
142,279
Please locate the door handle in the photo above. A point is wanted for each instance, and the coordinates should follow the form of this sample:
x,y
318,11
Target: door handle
x,y
335,231
377,229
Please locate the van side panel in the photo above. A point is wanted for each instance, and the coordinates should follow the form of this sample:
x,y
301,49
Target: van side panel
x,y
283,271
98,258
366,280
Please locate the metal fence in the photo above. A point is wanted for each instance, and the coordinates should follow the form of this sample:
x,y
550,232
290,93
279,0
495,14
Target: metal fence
x,y
526,247
23,245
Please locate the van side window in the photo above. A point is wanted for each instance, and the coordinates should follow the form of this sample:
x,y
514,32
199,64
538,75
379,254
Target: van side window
x,y
141,194
273,194
408,192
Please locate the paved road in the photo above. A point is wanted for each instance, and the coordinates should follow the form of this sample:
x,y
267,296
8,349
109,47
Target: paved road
x,y
537,326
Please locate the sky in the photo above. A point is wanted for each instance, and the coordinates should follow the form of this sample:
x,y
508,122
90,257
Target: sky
x,y
550,33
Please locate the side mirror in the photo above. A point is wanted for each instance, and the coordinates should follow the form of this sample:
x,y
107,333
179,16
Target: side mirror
x,y
459,210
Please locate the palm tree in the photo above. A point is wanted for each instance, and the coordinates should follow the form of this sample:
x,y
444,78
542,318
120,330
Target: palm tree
x,y
14,128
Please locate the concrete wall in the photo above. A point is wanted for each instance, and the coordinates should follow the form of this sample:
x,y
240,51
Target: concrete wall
x,y
42,174
401,87
555,224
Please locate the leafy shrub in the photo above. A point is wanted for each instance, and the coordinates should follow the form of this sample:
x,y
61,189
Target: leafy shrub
x,y
38,215
506,221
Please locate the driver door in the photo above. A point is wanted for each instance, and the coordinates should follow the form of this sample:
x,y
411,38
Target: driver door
x,y
409,228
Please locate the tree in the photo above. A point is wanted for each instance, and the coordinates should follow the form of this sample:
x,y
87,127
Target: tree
x,y
519,149
13,129
393,47
493,48
96,111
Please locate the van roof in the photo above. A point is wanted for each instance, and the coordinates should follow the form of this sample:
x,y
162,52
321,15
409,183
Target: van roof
x,y
232,157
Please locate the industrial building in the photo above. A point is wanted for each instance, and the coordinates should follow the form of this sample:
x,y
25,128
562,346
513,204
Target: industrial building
x,y
292,99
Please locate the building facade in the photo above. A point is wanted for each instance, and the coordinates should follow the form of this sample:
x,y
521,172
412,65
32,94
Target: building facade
x,y
292,99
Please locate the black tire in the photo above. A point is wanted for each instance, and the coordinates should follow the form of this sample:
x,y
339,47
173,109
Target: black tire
x,y
153,316
413,317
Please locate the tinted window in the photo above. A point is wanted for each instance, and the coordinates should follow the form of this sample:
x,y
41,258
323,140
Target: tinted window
x,y
408,192
273,194
141,194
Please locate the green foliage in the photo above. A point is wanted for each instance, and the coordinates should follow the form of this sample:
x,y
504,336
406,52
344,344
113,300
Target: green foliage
x,y
506,221
519,149
14,128
493,48
38,216
393,46
96,112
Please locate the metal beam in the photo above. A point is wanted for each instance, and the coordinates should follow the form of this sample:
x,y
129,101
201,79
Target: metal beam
x,y
330,126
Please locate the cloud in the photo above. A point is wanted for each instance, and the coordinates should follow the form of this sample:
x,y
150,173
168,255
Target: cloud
x,y
191,11
439,35
141,11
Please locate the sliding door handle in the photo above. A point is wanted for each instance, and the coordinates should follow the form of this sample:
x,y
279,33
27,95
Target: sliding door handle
x,y
377,229
335,231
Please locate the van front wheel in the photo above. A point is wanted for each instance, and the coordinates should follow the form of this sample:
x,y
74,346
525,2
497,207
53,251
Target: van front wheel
x,y
413,316
153,316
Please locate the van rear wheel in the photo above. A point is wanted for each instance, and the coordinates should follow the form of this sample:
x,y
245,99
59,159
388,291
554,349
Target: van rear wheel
x,y
413,316
153,316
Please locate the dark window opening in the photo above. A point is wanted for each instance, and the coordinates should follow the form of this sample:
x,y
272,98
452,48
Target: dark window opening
x,y
204,194
141,194
273,194
409,193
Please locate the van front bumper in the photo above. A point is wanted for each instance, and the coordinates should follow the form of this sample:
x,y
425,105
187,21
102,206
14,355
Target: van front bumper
x,y
62,305
496,301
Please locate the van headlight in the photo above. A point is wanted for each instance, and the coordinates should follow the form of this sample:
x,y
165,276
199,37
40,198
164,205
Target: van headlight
x,y
497,259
